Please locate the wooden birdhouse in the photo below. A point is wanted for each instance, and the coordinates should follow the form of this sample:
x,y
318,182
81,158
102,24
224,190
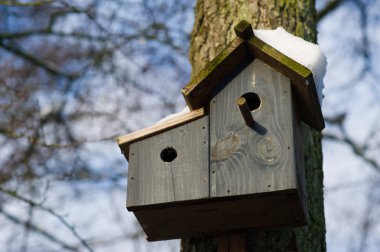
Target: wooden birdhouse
x,y
235,161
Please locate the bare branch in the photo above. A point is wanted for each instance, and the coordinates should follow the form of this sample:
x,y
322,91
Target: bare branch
x,y
358,150
328,8
36,61
26,4
48,210
48,32
77,143
38,230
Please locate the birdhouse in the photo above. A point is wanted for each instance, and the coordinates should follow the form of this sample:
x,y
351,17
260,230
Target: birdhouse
x,y
235,161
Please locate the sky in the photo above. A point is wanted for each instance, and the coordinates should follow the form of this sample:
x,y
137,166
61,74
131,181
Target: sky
x,y
350,184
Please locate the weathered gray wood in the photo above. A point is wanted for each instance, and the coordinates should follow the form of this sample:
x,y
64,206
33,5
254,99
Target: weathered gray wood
x,y
299,157
238,178
246,160
153,181
301,78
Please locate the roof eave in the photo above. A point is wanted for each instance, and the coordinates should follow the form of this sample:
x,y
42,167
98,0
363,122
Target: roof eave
x,y
300,76
197,92
125,141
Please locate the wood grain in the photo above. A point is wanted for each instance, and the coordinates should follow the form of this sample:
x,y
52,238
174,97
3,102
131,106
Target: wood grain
x,y
126,140
226,176
300,76
153,181
259,158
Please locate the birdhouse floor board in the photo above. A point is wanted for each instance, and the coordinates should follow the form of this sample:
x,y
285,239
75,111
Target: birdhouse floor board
x,y
215,216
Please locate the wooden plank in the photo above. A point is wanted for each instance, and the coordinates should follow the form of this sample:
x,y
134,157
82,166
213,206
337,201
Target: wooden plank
x,y
223,243
238,242
235,242
246,160
300,76
197,91
299,155
244,30
219,215
151,180
126,140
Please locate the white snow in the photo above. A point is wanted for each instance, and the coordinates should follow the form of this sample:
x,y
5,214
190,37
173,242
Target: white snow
x,y
301,51
183,111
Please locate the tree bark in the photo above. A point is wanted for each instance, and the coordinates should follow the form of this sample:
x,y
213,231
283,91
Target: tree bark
x,y
213,30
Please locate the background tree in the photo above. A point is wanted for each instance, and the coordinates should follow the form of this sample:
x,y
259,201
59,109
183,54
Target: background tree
x,y
74,74
210,35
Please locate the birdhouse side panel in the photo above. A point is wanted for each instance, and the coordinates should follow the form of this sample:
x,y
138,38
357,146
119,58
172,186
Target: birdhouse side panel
x,y
299,157
169,167
258,158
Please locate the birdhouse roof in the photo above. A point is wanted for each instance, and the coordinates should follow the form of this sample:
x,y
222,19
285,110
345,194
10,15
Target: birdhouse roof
x,y
242,50
160,127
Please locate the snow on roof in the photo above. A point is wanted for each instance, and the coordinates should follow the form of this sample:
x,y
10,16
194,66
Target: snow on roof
x,y
301,51
296,48
182,112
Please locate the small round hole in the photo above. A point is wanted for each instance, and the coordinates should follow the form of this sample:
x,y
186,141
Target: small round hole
x,y
253,100
168,154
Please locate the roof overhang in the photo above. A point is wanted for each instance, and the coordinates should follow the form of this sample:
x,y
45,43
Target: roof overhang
x,y
245,48
242,50
125,141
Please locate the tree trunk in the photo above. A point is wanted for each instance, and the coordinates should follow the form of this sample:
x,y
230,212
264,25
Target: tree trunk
x,y
213,30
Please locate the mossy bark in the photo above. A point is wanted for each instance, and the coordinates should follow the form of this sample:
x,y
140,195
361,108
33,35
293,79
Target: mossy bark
x,y
213,30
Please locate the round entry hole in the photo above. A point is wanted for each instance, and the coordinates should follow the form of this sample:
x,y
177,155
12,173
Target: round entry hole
x,y
253,100
168,154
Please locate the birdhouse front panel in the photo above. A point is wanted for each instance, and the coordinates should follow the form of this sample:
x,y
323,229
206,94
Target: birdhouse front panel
x,y
258,158
170,167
